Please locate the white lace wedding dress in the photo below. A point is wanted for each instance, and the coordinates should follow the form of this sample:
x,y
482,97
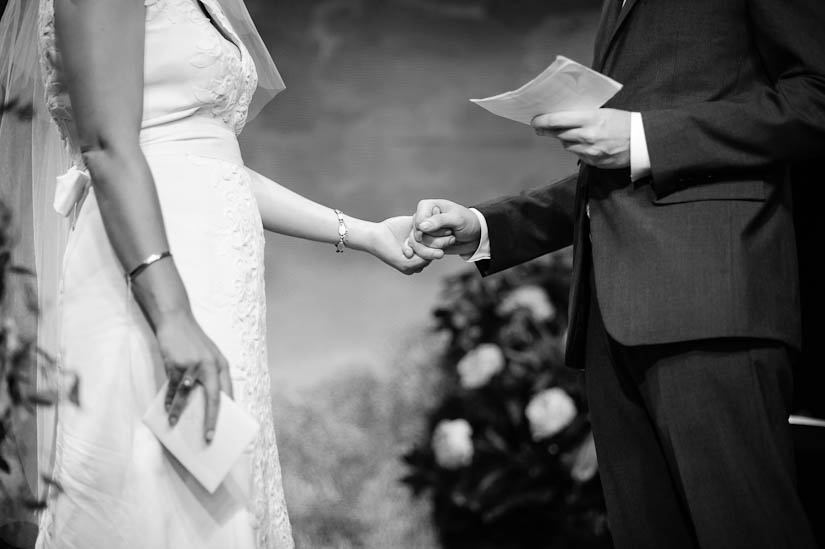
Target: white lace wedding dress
x,y
120,489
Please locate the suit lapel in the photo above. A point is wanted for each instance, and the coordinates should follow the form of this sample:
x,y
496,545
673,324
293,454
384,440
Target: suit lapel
x,y
612,33
604,30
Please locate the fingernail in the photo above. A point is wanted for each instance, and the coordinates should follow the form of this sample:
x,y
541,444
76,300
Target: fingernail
x,y
210,435
451,240
426,226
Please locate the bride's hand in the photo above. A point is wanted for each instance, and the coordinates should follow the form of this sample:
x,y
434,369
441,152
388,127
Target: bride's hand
x,y
191,357
388,241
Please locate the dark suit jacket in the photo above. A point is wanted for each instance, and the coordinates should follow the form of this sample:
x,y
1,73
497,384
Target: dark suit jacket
x,y
730,91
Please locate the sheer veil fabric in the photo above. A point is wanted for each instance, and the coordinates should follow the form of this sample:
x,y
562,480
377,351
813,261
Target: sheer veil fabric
x,y
32,156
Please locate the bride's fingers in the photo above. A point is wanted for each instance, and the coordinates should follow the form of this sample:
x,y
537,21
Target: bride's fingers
x,y
174,375
425,252
406,249
182,394
226,379
211,385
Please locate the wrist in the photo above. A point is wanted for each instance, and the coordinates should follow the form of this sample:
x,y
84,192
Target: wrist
x,y
361,235
161,294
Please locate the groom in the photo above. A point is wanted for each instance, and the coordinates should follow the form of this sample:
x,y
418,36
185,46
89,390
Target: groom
x,y
684,304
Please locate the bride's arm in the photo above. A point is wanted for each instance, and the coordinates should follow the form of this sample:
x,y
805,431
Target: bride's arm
x,y
101,44
286,212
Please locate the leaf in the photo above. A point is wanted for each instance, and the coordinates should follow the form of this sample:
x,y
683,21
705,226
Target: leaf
x,y
50,481
496,441
521,500
34,504
17,269
44,398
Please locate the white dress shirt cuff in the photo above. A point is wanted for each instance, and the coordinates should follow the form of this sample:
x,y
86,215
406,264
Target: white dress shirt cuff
x,y
639,157
483,250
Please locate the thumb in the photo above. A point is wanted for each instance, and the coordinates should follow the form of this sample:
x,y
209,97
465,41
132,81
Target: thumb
x,y
437,222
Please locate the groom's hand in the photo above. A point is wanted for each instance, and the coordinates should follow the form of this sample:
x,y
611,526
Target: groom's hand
x,y
600,138
442,227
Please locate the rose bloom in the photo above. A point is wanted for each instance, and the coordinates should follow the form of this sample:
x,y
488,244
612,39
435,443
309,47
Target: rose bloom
x,y
585,463
549,412
453,444
531,297
479,365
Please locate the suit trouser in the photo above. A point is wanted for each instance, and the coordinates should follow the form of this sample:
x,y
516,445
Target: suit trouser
x,y
693,442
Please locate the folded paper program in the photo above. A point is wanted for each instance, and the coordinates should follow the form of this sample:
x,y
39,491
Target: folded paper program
x,y
210,464
563,86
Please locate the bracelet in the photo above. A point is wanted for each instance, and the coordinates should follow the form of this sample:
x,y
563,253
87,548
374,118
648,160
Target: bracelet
x,y
147,262
342,233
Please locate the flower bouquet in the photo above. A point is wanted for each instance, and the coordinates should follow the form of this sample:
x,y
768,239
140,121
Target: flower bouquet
x,y
508,458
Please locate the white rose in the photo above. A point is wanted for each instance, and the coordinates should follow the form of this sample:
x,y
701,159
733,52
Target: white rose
x,y
549,412
531,297
453,444
585,463
479,365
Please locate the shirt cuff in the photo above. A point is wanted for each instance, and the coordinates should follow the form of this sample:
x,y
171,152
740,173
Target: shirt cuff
x,y
483,250
639,157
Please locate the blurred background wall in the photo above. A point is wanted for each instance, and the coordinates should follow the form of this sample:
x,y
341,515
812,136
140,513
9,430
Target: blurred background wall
x,y
375,117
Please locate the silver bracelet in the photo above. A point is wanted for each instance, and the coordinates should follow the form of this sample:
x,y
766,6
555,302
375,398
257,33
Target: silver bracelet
x,y
341,245
146,262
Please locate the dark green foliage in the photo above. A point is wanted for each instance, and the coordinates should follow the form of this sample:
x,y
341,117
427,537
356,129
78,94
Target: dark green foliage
x,y
518,490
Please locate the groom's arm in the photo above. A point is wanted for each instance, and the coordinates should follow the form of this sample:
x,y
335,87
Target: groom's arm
x,y
528,225
783,121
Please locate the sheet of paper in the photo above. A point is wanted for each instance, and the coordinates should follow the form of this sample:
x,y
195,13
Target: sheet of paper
x,y
563,86
208,463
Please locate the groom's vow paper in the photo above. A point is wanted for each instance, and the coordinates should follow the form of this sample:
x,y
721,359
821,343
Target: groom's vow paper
x,y
208,463
563,86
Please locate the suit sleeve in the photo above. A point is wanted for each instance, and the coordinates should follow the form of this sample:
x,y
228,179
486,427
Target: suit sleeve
x,y
530,224
783,120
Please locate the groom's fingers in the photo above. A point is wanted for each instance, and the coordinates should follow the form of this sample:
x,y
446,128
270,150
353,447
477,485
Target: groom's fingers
x,y
560,121
425,209
449,221
425,252
438,242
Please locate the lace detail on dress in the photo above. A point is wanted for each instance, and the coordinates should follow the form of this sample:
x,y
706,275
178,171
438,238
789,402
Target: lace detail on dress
x,y
243,246
230,92
56,95
226,97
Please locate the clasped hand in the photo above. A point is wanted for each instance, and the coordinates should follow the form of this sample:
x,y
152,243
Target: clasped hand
x,y
600,138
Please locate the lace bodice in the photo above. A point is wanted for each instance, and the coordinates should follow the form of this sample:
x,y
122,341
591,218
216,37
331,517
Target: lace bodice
x,y
193,67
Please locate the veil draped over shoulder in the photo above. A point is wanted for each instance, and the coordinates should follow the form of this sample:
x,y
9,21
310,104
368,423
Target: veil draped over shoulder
x,y
32,156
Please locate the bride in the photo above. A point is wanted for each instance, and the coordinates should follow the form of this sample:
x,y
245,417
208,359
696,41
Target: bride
x,y
163,271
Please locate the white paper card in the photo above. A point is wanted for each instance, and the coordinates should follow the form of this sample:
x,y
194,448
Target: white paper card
x,y
563,86
208,463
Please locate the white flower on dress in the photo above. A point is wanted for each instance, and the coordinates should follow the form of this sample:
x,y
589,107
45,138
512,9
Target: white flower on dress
x,y
585,463
530,297
477,367
549,412
453,444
